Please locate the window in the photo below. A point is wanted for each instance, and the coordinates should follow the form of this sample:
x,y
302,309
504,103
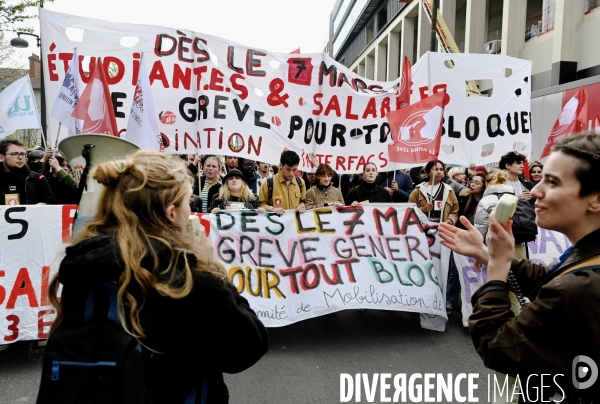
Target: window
x,y
591,5
370,32
382,17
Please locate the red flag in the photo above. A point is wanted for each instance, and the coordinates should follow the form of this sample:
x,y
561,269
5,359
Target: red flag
x,y
403,92
572,119
295,52
95,106
597,123
417,130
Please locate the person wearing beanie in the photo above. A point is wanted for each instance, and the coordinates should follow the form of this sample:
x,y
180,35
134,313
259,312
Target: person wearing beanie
x,y
234,194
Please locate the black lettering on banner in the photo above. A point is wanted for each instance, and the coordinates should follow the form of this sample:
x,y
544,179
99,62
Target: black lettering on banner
x,y
394,250
369,129
414,247
226,226
203,102
159,43
321,223
378,250
270,218
301,228
229,251
320,139
498,131
513,130
219,106
247,217
451,132
115,97
524,116
359,247
308,131
258,291
241,113
338,133
352,223
262,255
472,136
431,274
339,252
306,285
258,123
230,60
384,131
325,71
306,249
22,222
411,219
391,214
289,261
182,49
295,124
188,115
399,277
379,269
247,251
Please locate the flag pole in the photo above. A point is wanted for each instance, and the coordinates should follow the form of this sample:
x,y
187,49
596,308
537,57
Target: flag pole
x,y
57,135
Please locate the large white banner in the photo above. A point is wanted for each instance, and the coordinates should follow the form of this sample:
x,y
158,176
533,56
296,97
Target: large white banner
x,y
32,239
478,130
215,96
298,266
546,249
291,268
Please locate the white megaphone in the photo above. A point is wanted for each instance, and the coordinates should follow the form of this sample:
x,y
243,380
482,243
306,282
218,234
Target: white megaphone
x,y
93,149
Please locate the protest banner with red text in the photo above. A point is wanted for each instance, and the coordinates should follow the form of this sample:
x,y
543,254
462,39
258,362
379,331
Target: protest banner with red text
x,y
32,239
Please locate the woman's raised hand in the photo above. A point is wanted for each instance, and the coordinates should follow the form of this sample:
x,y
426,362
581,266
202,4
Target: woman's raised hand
x,y
467,242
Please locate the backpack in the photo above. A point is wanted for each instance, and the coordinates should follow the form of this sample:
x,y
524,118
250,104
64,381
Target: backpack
x,y
524,227
94,362
270,187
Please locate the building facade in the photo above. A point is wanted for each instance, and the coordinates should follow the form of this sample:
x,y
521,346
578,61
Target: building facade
x,y
371,37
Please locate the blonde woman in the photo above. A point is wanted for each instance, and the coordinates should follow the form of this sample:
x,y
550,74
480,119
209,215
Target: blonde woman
x,y
234,189
323,193
172,296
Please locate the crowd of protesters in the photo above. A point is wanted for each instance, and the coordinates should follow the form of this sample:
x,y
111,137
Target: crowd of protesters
x,y
227,182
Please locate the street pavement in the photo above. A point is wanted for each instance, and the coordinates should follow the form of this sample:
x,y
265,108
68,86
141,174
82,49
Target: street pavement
x,y
305,359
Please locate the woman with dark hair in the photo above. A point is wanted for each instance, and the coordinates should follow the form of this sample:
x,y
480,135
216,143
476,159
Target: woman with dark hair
x,y
368,191
435,198
535,172
323,193
310,179
559,329
172,296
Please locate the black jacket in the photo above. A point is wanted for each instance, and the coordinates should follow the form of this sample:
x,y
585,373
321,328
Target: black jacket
x,y
32,187
210,331
361,193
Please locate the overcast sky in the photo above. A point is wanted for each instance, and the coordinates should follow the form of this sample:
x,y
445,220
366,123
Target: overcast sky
x,y
273,25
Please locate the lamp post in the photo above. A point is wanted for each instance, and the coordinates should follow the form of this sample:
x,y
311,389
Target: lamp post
x,y
19,42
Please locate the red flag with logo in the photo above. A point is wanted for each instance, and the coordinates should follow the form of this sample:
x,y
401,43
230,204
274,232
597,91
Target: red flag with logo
x,y
572,119
403,92
417,131
95,105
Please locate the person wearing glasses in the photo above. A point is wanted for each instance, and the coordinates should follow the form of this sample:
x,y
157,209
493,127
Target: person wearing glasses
x,y
18,184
